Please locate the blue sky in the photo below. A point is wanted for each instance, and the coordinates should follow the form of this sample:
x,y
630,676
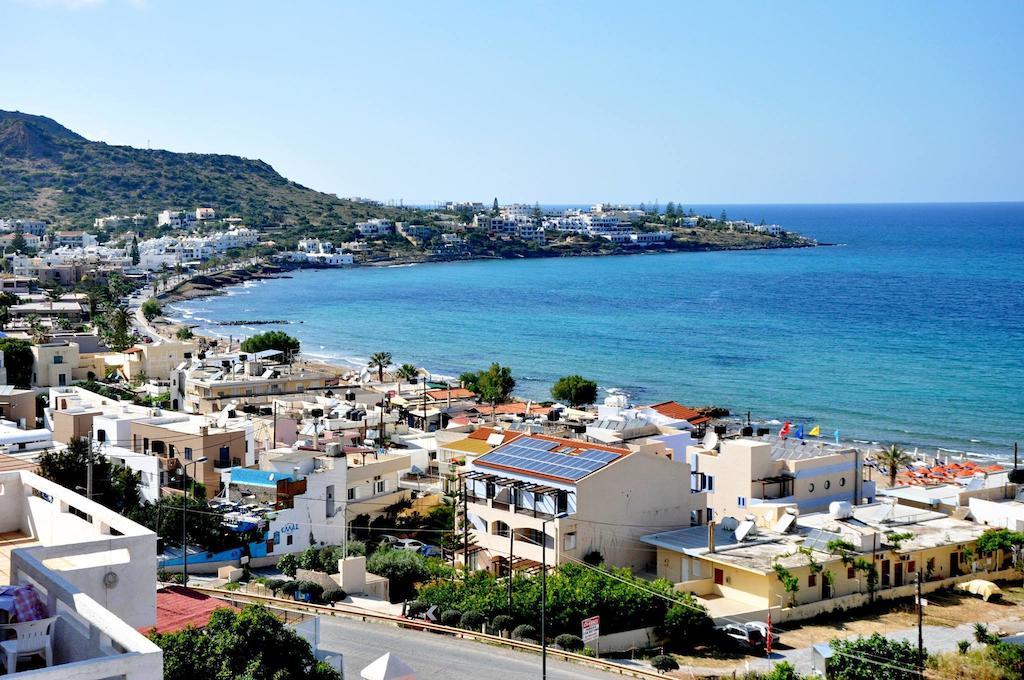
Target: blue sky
x,y
553,102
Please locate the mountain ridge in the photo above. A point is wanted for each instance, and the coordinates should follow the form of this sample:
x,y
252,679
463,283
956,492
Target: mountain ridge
x,y
48,171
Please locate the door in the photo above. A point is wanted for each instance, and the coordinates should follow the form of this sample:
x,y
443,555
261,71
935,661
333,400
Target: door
x,y
885,573
899,574
719,577
954,564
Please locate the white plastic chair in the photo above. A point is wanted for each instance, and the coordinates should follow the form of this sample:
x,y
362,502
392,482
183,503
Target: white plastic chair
x,y
33,638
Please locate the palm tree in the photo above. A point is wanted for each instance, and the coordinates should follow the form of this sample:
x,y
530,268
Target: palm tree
x,y
36,329
894,458
380,361
406,372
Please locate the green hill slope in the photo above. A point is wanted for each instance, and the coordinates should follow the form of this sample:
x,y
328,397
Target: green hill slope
x,y
50,172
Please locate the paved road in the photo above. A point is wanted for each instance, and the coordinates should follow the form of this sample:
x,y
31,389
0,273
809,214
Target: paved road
x,y
438,657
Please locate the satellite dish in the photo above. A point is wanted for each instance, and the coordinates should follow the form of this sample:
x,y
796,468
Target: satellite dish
x,y
710,441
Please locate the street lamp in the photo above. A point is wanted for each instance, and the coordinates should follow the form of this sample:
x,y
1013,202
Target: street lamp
x,y
544,593
184,505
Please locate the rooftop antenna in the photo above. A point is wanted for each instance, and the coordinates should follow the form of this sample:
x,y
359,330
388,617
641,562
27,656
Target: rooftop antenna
x,y
710,441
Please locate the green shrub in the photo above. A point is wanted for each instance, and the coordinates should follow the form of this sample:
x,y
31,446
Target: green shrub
x,y
472,620
451,618
274,584
502,623
288,564
524,632
664,663
963,646
314,590
290,587
782,671
331,595
568,642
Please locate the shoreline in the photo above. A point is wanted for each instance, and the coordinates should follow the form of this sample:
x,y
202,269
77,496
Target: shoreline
x,y
207,285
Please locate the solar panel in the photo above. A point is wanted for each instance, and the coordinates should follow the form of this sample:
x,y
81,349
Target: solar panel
x,y
549,458
818,540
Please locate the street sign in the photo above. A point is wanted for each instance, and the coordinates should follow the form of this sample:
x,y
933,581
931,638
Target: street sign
x,y
920,600
431,616
591,629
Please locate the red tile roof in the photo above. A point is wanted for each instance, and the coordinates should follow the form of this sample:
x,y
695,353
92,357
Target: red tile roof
x,y
485,432
517,408
673,409
178,607
454,393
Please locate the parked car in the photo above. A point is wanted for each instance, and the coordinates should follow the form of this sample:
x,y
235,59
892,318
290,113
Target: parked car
x,y
747,635
388,539
410,544
431,551
760,629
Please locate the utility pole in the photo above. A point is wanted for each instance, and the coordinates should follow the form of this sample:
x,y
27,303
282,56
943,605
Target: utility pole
x,y
465,528
920,626
88,470
511,543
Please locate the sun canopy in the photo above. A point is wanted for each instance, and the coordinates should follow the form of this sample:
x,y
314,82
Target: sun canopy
x,y
388,667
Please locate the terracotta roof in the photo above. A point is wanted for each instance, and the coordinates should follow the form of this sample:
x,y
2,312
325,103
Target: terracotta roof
x,y
518,407
178,607
673,409
10,464
454,393
484,434
945,473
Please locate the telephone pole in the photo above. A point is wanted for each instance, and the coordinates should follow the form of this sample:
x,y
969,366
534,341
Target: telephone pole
x,y
920,626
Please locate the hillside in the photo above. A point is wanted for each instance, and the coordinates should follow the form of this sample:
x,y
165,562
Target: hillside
x,y
50,172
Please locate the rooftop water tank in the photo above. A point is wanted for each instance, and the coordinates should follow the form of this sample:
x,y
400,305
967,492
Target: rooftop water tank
x,y
840,509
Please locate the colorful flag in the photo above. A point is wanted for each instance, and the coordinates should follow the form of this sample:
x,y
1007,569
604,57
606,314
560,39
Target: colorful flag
x,y
815,431
785,430
800,431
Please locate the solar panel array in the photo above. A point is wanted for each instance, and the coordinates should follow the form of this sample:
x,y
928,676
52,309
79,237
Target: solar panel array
x,y
818,539
548,458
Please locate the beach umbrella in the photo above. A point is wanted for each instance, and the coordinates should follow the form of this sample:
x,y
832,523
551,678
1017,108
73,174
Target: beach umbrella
x,y
388,667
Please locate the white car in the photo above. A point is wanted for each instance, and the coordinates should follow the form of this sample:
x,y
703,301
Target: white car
x,y
409,544
388,539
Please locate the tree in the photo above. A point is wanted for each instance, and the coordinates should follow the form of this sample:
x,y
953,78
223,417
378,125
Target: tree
x,y
184,333
470,380
252,644
686,623
116,329
380,361
36,329
495,385
575,389
894,458
19,359
278,340
407,372
18,243
54,294
7,300
403,568
494,208
151,309
116,488
873,658
134,251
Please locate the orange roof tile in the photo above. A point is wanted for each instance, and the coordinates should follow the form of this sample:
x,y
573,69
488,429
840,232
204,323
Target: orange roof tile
x,y
484,433
673,409
454,393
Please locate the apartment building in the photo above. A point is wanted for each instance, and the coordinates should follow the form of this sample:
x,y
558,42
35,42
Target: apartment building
x,y
741,473
17,406
93,568
732,566
376,227
178,440
53,363
210,385
72,239
574,497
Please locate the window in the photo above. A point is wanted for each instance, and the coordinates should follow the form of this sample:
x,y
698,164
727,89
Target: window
x,y
101,436
62,380
58,359
381,486
812,580
289,539
569,541
842,481
810,487
828,484
188,455
910,567
851,572
352,494
711,483
562,505
741,501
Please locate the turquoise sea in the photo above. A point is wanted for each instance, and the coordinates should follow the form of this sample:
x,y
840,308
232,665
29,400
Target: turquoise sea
x,y
910,330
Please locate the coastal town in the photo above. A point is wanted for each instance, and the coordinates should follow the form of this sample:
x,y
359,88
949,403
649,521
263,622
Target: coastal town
x,y
156,483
